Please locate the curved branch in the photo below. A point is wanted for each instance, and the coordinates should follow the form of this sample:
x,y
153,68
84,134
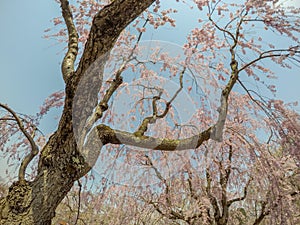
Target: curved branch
x,y
34,148
67,66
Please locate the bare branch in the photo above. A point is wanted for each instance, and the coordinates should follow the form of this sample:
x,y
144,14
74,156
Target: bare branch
x,y
34,148
159,175
152,119
172,213
217,131
109,135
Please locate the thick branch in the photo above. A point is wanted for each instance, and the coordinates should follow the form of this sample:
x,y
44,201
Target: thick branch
x,y
218,128
107,25
103,104
67,66
109,135
34,148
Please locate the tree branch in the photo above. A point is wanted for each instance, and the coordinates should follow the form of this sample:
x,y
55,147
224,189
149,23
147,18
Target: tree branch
x,y
109,135
103,104
108,23
212,199
172,214
217,132
229,203
264,212
67,66
106,27
271,53
79,201
34,148
152,119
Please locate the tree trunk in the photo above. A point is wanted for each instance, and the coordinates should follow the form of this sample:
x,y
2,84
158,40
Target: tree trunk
x,y
60,163
35,202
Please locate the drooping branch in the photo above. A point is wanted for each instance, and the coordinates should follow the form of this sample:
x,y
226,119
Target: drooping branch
x,y
264,212
34,148
192,191
67,66
171,214
162,179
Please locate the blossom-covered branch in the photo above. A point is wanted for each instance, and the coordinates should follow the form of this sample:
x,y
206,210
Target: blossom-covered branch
x,y
279,53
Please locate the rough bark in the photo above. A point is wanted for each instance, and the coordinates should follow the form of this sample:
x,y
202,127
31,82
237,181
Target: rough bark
x,y
60,162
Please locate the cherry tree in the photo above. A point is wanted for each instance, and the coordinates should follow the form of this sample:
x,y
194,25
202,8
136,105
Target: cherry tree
x,y
235,160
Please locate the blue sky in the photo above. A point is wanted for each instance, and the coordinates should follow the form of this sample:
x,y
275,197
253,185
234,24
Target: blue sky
x,y
30,65
30,69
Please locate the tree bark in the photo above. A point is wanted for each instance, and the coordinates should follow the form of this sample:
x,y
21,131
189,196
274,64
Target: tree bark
x,y
60,163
